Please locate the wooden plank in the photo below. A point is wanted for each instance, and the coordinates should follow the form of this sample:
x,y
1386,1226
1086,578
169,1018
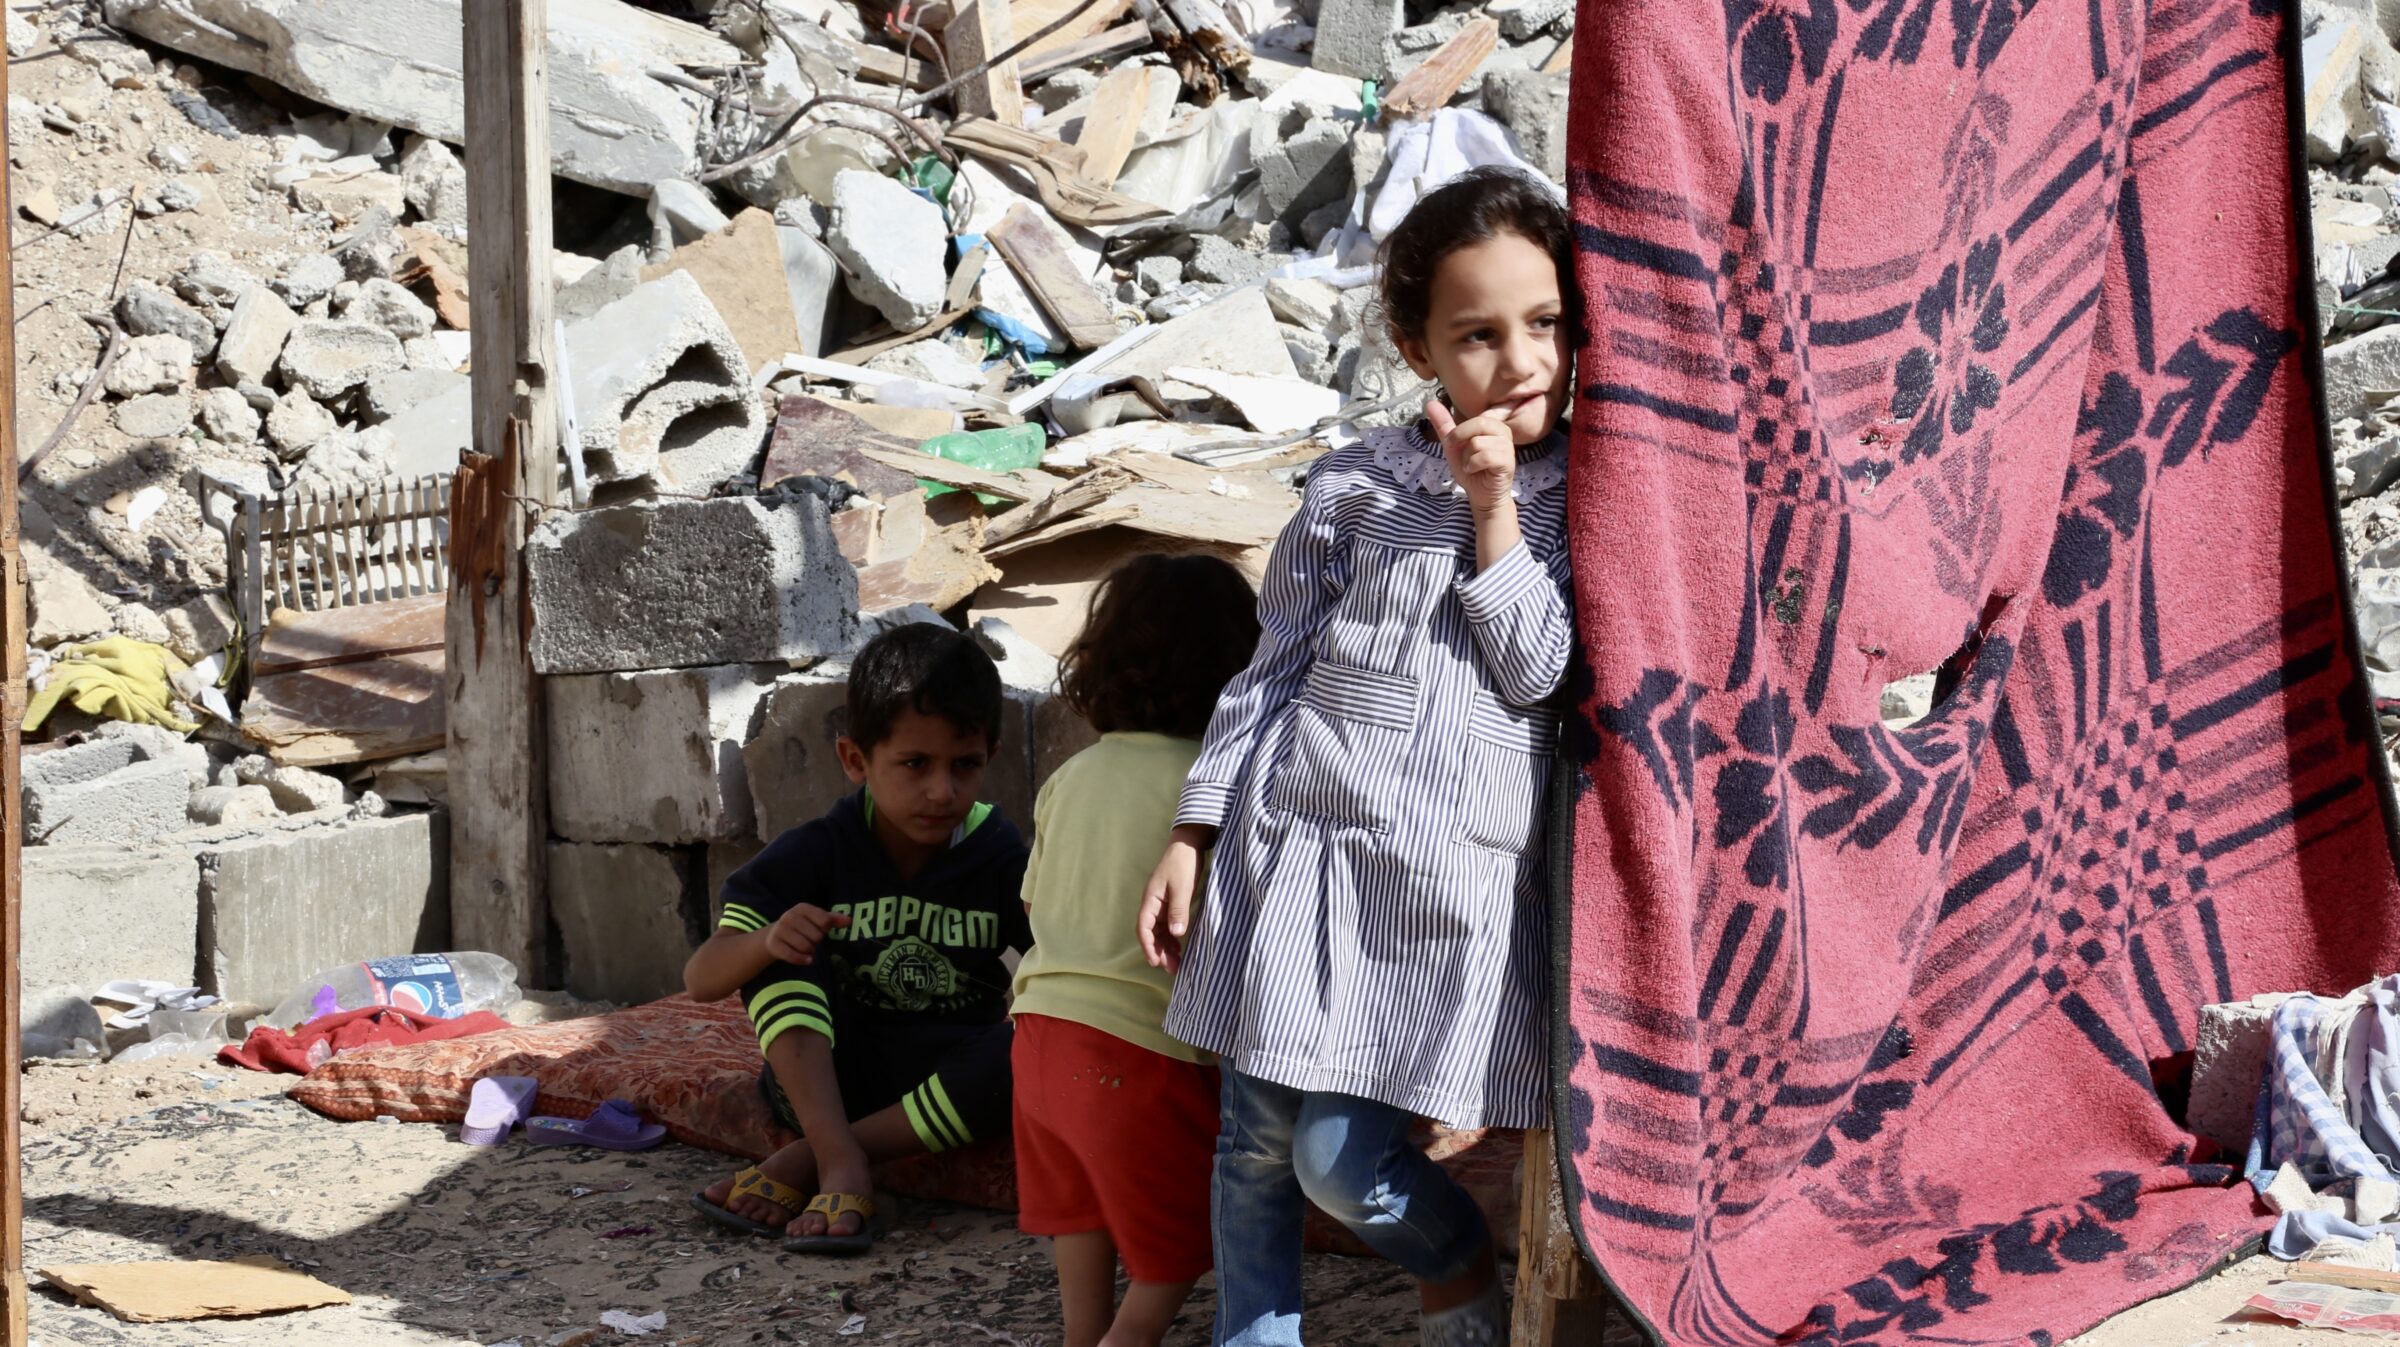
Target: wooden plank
x,y
882,65
1113,121
1035,253
1122,40
499,825
1560,1300
1430,87
1032,16
978,32
1563,59
2334,1274
12,826
1074,498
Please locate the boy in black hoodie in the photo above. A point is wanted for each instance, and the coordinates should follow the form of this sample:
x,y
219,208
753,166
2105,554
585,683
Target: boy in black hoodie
x,y
867,945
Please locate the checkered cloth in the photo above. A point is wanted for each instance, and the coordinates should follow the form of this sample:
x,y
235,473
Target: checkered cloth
x,y
2322,1081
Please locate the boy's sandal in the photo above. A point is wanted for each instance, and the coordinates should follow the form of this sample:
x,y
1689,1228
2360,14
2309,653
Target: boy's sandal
x,y
834,1206
752,1182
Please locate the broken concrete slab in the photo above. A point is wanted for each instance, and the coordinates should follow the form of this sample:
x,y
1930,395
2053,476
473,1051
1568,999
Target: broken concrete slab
x,y
401,391
2358,367
628,916
146,310
155,364
155,416
895,245
1533,106
99,913
1353,36
389,305
2229,1061
661,393
1232,335
267,918
129,806
794,773
653,756
400,61
219,806
327,357
678,583
61,605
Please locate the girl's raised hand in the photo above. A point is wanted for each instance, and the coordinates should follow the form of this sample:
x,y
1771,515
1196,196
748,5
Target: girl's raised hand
x,y
1481,452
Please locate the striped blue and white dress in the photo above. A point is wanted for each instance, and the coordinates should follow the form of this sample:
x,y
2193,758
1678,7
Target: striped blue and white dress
x,y
1376,917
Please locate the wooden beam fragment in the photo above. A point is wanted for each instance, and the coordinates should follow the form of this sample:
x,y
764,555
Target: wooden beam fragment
x,y
1430,87
1113,122
978,32
1560,1300
499,820
1031,250
1562,59
12,824
1123,40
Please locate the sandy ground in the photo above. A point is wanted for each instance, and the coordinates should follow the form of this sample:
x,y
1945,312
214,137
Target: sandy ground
x,y
446,1244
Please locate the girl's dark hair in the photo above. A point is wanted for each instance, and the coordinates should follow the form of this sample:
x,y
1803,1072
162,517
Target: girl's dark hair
x,y
1165,635
1476,206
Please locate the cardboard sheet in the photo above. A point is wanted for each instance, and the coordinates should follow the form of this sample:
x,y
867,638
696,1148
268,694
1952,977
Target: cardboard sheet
x,y
150,1293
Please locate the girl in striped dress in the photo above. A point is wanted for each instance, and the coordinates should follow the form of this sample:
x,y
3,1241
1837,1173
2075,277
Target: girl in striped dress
x,y
1372,944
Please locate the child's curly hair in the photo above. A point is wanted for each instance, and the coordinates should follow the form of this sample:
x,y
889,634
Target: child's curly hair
x,y
1476,206
1165,635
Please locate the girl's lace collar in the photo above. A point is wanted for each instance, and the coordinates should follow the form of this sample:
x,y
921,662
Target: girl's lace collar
x,y
1414,459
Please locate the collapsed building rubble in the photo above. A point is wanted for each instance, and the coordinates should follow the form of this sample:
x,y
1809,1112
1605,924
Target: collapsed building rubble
x,y
865,315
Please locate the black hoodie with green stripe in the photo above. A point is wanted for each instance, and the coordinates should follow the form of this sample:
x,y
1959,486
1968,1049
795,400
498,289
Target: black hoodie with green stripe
x,y
923,950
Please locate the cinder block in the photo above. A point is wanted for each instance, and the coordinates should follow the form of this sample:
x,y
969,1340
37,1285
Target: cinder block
x,y
96,914
2229,1063
129,806
794,774
683,583
654,757
281,905
1352,36
628,916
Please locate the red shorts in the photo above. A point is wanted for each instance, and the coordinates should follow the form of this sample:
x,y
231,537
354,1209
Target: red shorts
x,y
1118,1138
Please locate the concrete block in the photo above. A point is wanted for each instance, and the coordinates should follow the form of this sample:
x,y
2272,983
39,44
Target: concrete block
x,y
628,916
895,244
794,775
96,914
2229,1062
279,905
656,756
662,393
327,357
2362,365
154,364
401,391
1303,163
400,61
254,338
128,807
1533,106
677,583
298,423
1352,36
309,280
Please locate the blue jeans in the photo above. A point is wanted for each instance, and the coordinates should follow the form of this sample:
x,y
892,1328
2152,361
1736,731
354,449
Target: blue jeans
x,y
1350,1156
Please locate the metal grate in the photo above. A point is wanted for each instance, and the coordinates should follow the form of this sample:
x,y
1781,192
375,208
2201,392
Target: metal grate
x,y
318,549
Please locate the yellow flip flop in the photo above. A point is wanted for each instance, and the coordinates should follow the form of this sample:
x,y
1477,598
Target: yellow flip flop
x,y
834,1206
753,1182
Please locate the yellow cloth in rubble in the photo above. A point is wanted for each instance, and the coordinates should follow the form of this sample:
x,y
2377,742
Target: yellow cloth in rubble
x,y
119,678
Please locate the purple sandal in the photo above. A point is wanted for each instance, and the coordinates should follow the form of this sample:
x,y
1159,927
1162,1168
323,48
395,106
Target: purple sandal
x,y
498,1104
613,1126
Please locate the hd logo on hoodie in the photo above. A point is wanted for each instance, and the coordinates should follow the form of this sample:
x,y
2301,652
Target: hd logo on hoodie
x,y
912,973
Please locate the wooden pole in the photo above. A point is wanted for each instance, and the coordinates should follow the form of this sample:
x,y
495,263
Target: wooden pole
x,y
1560,1301
12,823
499,817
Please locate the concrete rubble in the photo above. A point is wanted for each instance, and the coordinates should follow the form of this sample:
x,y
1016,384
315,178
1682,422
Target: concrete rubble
x,y
872,372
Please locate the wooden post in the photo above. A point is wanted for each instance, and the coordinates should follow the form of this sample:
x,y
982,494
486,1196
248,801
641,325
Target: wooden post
x,y
499,816
1561,1301
978,30
12,822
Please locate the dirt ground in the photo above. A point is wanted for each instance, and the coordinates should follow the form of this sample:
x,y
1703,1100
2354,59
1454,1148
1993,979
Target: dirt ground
x,y
443,1244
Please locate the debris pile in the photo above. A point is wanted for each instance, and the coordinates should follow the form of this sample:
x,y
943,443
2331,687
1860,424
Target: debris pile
x,y
867,313
2351,73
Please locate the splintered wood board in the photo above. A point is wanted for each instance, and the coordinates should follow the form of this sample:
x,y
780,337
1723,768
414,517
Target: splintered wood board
x,y
1031,250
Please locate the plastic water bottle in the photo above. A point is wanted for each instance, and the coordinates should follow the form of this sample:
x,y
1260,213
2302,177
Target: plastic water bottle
x,y
444,986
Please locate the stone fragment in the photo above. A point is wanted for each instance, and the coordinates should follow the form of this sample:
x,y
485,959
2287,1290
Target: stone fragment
x,y
1158,274
371,247
328,357
684,583
254,337
680,212
1524,20
1303,303
893,244
161,363
2332,104
390,306
933,361
145,310
175,194
1312,355
308,280
1219,261
62,605
2229,1062
211,283
23,37
653,756
1353,36
296,790
2360,366
350,196
1303,163
227,417
628,917
610,126
142,623
346,459
298,423
199,628
436,183
156,416
2365,467
218,806
1533,106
